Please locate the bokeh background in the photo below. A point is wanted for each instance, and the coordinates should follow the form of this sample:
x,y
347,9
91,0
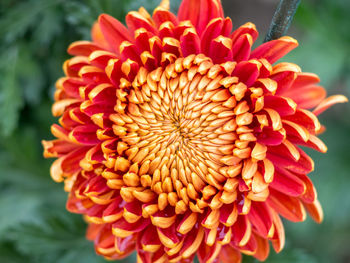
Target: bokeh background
x,y
34,35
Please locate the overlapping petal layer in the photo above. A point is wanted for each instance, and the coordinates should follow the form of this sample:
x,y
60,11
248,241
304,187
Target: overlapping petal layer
x,y
176,139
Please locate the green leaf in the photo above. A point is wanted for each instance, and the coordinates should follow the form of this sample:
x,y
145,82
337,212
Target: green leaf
x,y
21,18
59,237
10,94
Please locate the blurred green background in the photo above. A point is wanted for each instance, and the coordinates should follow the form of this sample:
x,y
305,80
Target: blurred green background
x,y
34,35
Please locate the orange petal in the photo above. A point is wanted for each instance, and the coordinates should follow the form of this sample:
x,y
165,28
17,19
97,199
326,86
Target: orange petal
x,y
228,254
329,102
315,211
97,36
263,248
305,79
278,240
82,48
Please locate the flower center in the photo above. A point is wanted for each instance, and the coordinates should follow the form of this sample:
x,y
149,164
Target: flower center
x,y
180,129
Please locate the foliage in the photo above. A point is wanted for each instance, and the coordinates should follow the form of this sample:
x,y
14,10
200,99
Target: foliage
x,y
34,225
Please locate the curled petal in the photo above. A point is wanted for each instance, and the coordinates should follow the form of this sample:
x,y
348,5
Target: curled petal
x,y
329,102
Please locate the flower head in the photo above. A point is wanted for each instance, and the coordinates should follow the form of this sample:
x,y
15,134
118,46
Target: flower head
x,y
177,139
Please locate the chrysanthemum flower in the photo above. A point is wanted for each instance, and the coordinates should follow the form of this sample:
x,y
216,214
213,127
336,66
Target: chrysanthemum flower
x,y
176,139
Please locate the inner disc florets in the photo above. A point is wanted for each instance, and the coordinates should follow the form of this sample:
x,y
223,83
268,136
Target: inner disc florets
x,y
183,135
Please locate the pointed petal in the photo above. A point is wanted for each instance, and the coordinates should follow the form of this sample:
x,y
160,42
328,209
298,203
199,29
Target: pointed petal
x,y
190,42
161,15
82,48
136,20
114,31
200,12
315,211
329,102
248,28
97,36
241,48
275,49
288,207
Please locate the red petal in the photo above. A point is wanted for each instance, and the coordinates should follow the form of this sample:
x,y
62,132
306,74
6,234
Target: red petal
x,y
162,15
285,80
284,106
270,137
200,12
85,135
305,118
208,253
288,183
310,194
135,20
190,42
275,49
100,58
248,28
221,50
122,228
288,207
247,71
114,31
303,165
260,217
241,47
211,32
57,148
242,230
307,97
313,142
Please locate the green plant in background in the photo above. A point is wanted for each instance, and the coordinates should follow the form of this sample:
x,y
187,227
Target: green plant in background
x,y
34,34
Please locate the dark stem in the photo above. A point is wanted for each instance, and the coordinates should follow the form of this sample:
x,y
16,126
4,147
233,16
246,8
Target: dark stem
x,y
282,19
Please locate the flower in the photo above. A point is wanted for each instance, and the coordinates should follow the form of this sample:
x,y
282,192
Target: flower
x,y
177,139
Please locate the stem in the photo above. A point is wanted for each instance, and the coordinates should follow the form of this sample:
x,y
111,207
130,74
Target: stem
x,y
282,19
